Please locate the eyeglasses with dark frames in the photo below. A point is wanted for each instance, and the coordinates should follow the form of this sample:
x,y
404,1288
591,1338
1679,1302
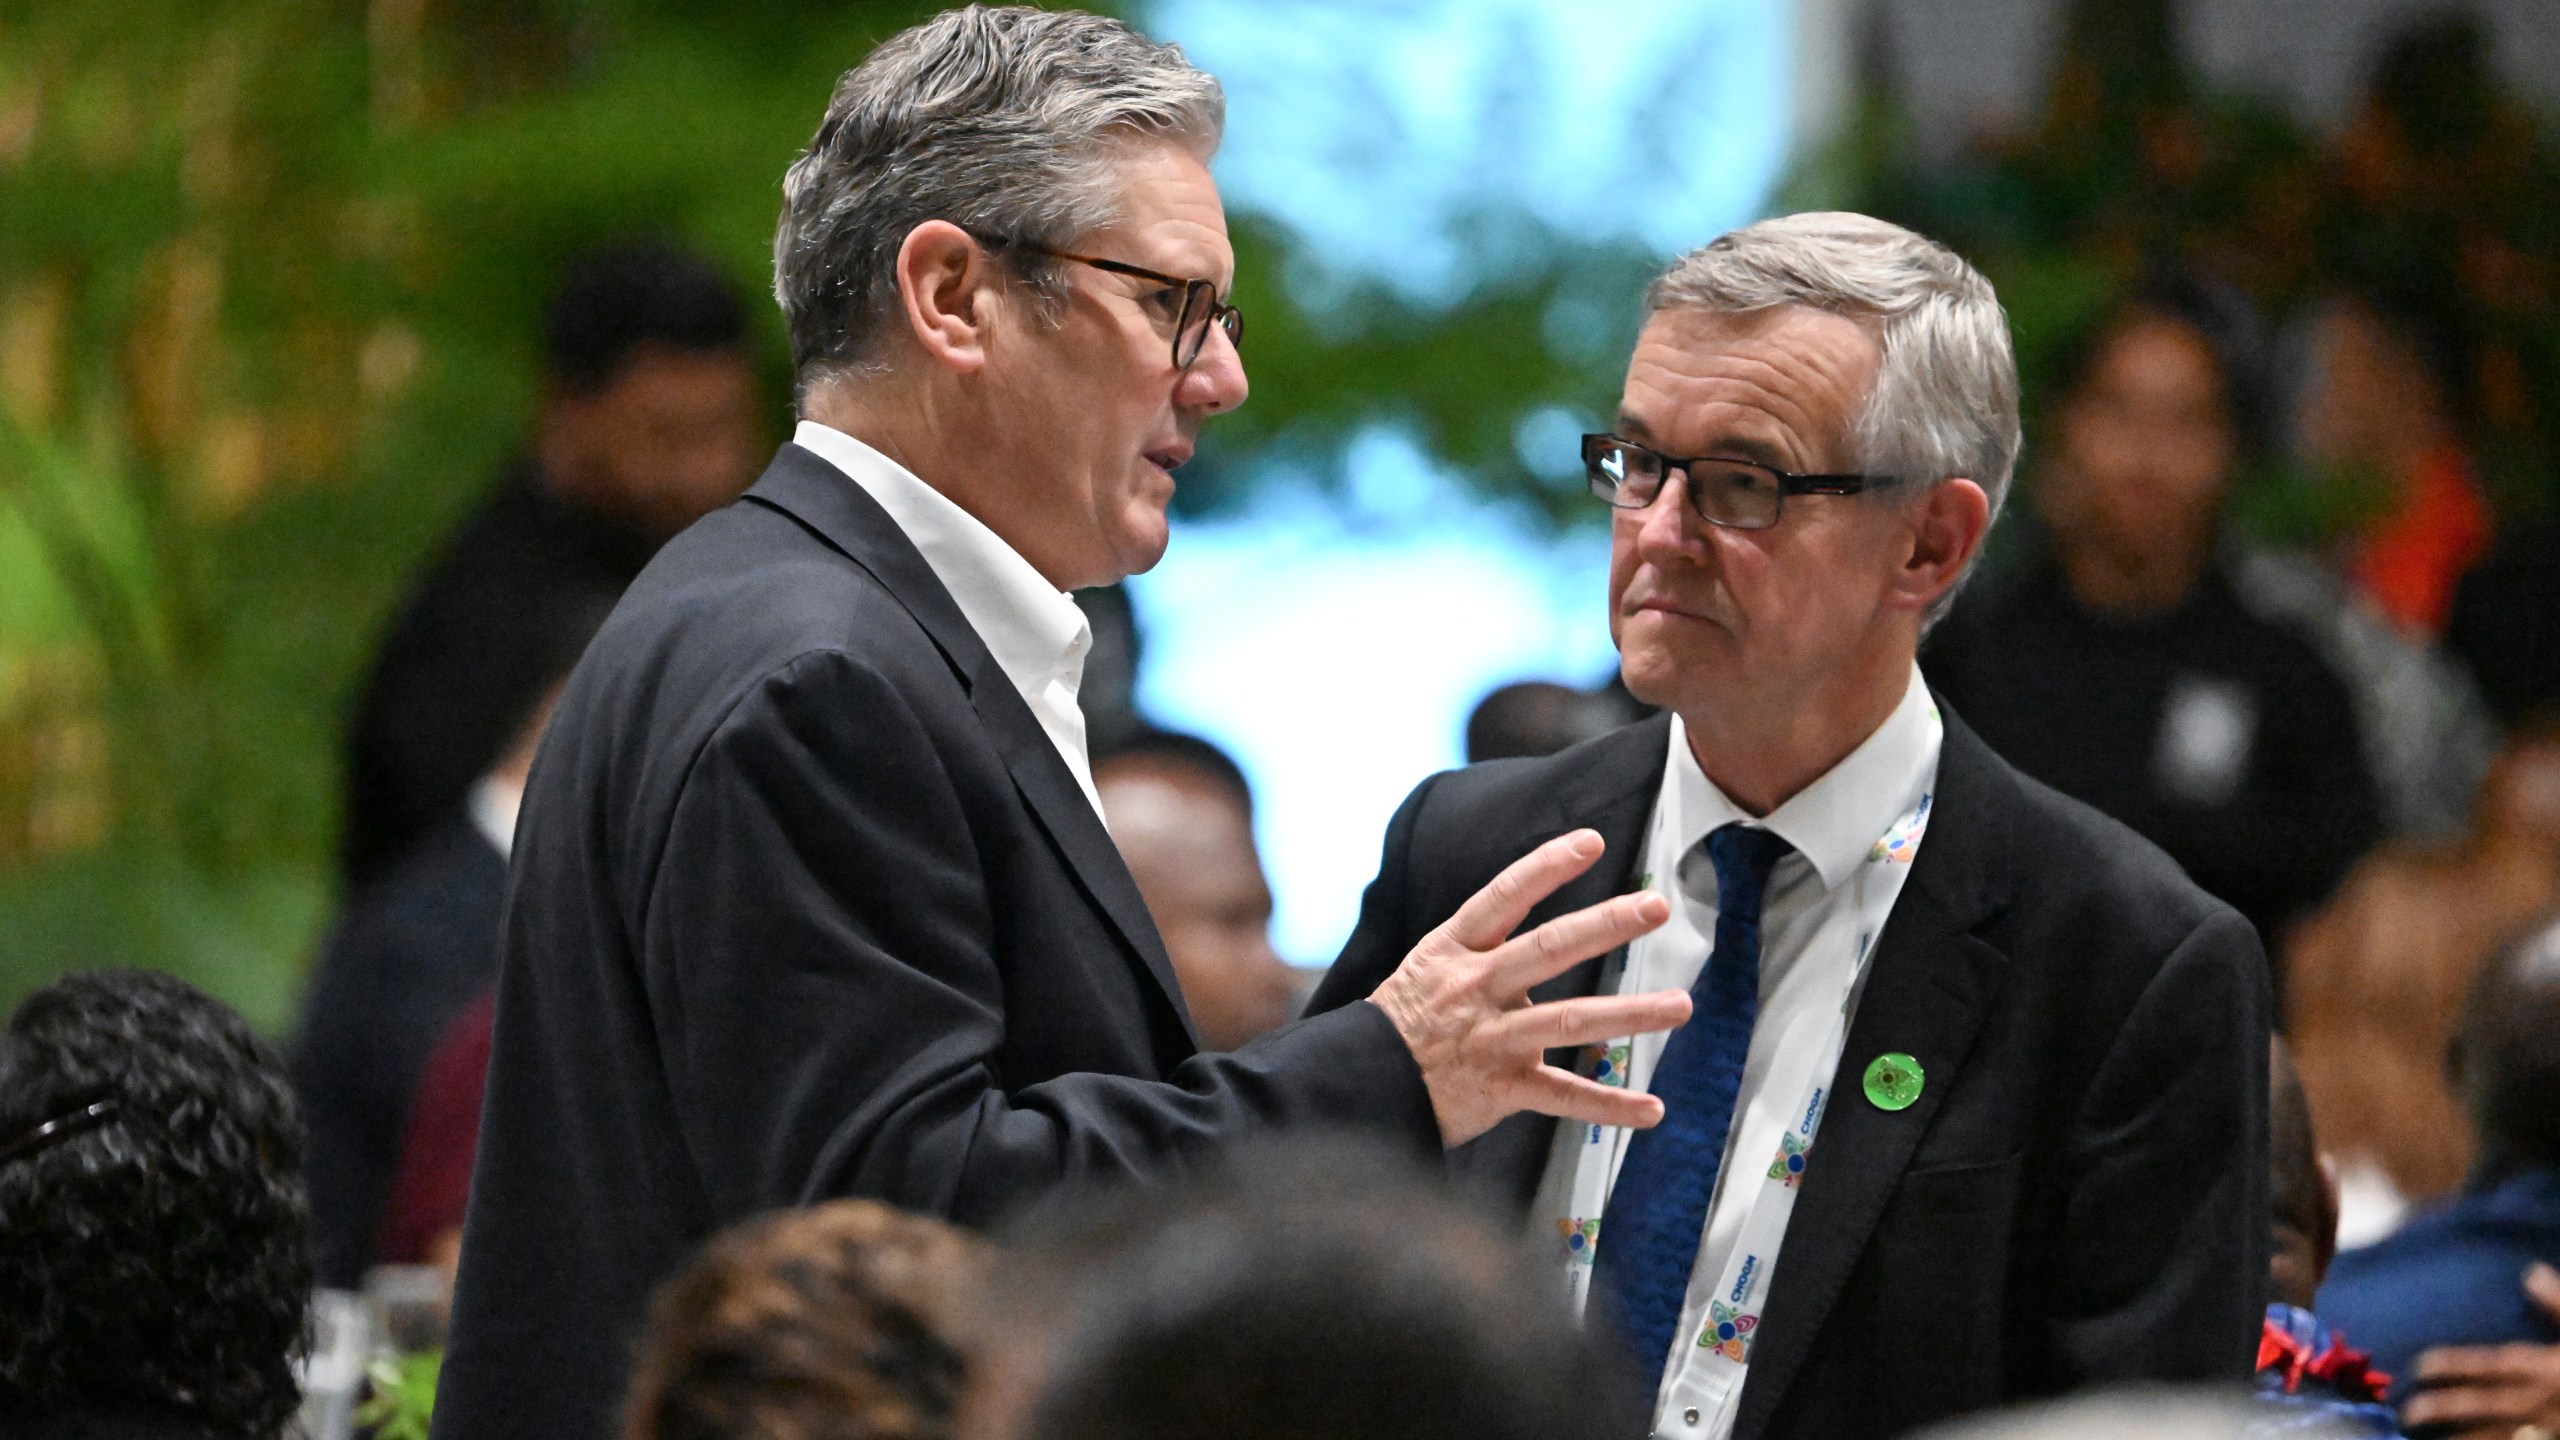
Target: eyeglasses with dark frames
x,y
1201,307
1737,494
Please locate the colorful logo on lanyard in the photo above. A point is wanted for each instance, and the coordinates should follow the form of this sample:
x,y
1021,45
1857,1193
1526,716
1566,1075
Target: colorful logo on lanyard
x,y
1581,1239
1902,842
1609,1066
1728,1332
1788,1168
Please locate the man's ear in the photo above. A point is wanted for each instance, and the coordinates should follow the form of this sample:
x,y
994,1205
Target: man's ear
x,y
946,290
1948,523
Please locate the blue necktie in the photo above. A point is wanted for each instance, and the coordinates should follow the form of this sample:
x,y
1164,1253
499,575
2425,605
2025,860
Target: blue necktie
x,y
1657,1212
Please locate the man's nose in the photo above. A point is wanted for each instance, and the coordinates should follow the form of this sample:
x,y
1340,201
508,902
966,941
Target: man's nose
x,y
1669,527
1215,383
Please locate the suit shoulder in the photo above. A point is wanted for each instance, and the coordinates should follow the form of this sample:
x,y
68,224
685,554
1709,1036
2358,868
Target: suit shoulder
x,y
745,604
1472,818
1598,769
751,581
742,600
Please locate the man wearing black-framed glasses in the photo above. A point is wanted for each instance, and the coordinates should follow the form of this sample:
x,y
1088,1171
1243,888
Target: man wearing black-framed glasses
x,y
1189,308
1725,490
1971,1104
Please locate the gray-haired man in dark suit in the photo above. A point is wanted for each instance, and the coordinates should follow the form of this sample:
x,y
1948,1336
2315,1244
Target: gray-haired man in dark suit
x,y
1972,1104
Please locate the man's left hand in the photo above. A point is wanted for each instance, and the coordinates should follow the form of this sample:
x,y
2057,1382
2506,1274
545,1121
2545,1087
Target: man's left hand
x,y
2495,1391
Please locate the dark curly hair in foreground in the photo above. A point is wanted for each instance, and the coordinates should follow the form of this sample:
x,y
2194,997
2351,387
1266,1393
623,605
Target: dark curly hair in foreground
x,y
154,1257
849,1321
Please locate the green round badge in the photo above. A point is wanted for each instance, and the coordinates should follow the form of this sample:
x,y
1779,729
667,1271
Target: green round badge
x,y
1893,1081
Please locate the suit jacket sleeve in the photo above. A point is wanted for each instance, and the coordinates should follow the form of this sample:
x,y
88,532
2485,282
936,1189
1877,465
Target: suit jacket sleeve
x,y
816,946
2164,1255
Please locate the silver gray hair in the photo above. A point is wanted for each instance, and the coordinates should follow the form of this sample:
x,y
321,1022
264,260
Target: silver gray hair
x,y
1945,402
1003,120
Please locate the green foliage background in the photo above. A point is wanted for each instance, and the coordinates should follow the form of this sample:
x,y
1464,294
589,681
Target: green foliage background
x,y
270,271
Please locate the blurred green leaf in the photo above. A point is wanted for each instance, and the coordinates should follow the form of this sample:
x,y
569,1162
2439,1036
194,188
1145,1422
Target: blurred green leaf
x,y
404,1396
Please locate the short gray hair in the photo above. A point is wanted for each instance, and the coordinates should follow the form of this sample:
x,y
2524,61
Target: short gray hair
x,y
1003,120
1945,402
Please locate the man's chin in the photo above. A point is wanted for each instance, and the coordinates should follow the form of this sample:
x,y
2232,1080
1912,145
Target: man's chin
x,y
1650,677
1662,669
1143,547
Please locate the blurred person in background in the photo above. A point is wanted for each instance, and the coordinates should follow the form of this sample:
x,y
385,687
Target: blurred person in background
x,y
1529,718
2455,1276
429,1193
2428,371
1181,813
812,896
2495,1392
2428,736
2305,1369
2381,405
154,1263
844,1321
410,952
1288,1291
2379,976
2506,625
1991,1073
2116,661
649,419
2306,1204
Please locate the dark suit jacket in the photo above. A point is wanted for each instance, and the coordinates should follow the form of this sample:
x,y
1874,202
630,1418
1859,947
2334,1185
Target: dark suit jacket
x,y
2078,1196
411,952
805,904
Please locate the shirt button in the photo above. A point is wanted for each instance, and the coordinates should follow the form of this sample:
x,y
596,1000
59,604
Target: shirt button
x,y
1689,1416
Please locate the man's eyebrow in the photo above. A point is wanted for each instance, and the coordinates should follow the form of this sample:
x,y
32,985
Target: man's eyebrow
x,y
1758,452
1730,447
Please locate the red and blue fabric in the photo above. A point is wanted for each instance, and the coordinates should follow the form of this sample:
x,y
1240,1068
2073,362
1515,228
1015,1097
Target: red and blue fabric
x,y
2311,1380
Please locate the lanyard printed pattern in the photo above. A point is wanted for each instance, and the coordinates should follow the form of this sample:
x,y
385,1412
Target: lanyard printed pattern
x,y
1732,1315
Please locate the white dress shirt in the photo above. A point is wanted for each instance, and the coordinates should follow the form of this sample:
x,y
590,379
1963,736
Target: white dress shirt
x,y
1854,833
1036,634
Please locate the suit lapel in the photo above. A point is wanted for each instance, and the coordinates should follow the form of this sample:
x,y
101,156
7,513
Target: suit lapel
x,y
1930,984
839,511
1610,786
1059,804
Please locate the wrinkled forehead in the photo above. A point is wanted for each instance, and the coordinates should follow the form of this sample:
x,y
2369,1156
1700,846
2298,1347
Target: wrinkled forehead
x,y
1783,386
1168,214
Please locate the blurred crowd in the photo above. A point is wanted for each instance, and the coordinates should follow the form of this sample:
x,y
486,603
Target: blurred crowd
x,y
2286,597
1317,1286
2285,600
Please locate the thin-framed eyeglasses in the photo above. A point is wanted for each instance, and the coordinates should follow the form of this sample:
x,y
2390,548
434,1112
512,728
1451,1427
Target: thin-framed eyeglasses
x,y
1737,494
1201,308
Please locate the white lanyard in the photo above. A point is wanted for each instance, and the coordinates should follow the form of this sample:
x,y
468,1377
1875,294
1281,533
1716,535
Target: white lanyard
x,y
1723,1335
